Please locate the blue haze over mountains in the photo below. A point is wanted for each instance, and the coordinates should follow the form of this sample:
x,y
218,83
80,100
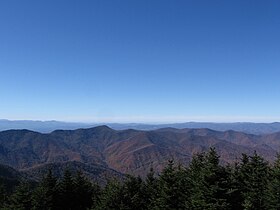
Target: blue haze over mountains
x,y
49,126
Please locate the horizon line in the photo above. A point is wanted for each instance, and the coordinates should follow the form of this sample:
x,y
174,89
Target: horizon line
x,y
139,122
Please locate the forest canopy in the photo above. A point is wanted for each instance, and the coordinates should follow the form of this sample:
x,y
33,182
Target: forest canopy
x,y
251,183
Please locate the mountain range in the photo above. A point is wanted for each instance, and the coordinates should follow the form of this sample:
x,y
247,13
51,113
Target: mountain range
x,y
104,152
49,126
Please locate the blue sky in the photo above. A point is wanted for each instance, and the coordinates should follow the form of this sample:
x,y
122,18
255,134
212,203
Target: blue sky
x,y
140,61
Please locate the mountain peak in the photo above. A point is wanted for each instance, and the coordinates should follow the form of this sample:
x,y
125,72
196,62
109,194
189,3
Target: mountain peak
x,y
102,128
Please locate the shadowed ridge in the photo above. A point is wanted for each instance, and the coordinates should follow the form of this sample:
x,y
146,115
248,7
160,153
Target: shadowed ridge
x,y
171,129
203,132
95,172
10,177
101,128
9,172
17,131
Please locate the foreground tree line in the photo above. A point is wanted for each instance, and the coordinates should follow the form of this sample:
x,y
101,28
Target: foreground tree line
x,y
205,184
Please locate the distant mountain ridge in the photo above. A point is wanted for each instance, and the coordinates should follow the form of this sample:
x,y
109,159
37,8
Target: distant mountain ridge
x,y
41,126
126,151
49,126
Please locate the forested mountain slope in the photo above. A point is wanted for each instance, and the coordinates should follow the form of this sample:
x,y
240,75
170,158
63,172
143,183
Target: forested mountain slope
x,y
128,151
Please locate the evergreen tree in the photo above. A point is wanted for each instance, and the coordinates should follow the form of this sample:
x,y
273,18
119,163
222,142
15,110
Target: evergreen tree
x,y
217,181
272,195
45,195
195,176
96,194
208,182
133,193
234,191
204,185
173,191
83,192
21,198
111,197
66,192
254,177
3,194
151,188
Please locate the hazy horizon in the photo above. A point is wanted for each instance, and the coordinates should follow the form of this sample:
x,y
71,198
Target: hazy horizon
x,y
136,122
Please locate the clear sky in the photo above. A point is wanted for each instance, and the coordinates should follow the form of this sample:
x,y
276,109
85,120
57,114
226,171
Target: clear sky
x,y
140,60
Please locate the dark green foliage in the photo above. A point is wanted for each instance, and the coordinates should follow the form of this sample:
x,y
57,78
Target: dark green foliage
x,y
111,197
196,182
208,182
133,193
71,192
151,189
3,194
173,190
253,179
272,195
234,188
21,198
203,185
216,180
76,192
84,192
66,194
46,194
